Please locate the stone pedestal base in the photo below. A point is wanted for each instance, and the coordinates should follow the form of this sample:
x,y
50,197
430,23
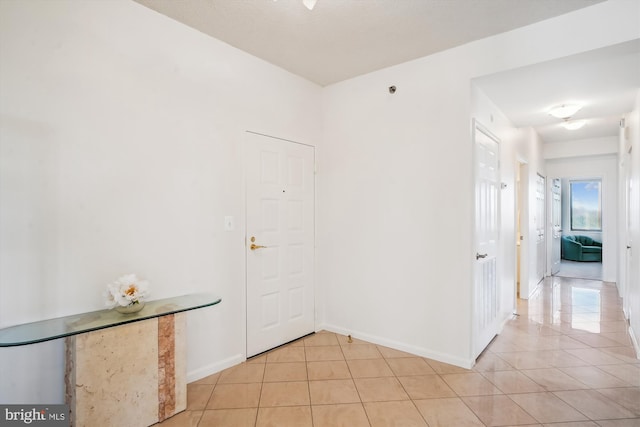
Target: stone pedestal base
x,y
132,375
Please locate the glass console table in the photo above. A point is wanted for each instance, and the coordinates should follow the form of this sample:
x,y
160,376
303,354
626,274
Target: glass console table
x,y
61,327
111,358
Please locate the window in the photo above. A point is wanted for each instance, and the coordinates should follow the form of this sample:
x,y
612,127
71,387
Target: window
x,y
586,205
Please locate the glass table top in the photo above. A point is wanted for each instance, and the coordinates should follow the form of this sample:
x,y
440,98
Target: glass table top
x,y
45,330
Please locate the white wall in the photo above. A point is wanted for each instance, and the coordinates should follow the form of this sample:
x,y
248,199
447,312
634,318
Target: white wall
x,y
120,135
584,147
396,251
120,151
585,167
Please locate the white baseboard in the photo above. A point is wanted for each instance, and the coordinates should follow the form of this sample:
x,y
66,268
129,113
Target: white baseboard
x,y
212,368
507,316
418,351
634,341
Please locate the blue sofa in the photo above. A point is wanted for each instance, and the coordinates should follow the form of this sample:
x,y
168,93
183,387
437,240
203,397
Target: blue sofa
x,y
581,248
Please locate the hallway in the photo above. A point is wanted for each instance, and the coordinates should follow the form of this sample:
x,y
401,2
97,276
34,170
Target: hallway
x,y
565,361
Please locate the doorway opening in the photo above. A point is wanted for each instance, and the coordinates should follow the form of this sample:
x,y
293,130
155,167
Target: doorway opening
x,y
581,228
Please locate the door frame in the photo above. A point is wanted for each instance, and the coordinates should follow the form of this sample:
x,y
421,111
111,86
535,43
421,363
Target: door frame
x,y
244,292
565,209
626,243
521,212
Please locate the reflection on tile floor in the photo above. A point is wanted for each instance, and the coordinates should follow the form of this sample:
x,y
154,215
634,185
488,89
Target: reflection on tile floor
x,y
565,361
584,270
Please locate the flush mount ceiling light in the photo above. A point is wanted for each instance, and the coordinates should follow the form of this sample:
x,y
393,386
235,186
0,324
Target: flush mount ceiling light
x,y
564,111
309,4
574,124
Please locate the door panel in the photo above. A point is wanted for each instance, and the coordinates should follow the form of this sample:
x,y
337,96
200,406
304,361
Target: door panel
x,y
280,226
540,227
556,227
487,221
630,279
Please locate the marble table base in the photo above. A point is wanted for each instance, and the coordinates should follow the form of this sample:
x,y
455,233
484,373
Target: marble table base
x,y
132,375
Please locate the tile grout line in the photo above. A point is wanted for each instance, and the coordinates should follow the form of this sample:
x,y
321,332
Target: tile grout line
x,y
306,370
574,408
346,362
591,356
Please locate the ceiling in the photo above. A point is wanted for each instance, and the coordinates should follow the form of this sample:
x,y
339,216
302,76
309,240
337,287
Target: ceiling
x,y
604,81
341,39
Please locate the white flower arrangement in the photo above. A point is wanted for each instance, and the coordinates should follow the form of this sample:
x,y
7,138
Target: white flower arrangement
x,y
128,290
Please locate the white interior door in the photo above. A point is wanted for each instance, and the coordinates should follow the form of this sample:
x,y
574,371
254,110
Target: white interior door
x,y
556,225
280,241
540,226
629,278
487,207
520,228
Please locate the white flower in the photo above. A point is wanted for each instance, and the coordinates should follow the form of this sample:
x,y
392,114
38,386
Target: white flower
x,y
127,290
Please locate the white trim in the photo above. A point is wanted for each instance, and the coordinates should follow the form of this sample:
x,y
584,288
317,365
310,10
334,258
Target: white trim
x,y
213,368
506,319
278,138
396,345
634,341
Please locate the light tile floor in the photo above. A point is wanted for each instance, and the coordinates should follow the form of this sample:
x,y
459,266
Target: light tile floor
x,y
565,361
580,270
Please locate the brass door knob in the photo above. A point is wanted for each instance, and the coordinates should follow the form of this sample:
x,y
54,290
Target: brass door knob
x,y
253,247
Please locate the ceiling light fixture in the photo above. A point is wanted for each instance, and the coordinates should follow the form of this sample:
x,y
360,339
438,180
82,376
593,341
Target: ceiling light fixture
x,y
574,124
565,111
309,4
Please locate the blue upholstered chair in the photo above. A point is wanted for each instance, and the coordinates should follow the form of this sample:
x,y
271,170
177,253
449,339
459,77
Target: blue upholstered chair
x,y
581,248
